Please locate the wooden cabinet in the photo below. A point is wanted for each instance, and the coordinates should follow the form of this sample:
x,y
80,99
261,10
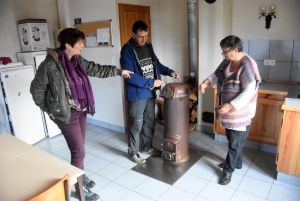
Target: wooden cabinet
x,y
288,155
266,123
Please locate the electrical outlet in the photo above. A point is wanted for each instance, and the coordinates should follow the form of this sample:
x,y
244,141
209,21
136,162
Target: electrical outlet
x,y
268,62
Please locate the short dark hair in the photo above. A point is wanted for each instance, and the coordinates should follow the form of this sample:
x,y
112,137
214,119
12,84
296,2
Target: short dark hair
x,y
232,42
139,26
70,36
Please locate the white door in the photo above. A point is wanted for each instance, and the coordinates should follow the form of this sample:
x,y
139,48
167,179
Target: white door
x,y
52,128
25,116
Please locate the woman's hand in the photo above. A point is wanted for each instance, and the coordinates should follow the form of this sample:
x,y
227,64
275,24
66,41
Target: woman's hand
x,y
175,75
204,84
51,116
126,73
223,109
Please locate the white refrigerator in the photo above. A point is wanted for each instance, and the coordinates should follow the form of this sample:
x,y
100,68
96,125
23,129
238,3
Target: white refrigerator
x,y
24,117
5,126
35,59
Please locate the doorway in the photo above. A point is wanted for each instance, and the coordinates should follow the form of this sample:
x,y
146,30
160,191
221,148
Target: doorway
x,y
128,15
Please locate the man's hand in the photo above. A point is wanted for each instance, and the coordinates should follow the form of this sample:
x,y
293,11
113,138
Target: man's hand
x,y
157,83
126,73
175,75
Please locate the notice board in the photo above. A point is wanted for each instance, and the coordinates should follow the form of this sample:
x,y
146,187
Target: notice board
x,y
96,33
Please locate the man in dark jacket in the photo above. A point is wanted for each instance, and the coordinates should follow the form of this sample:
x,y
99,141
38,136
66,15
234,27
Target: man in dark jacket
x,y
137,56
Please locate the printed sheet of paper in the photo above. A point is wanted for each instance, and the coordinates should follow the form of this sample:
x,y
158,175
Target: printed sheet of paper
x,y
91,40
103,35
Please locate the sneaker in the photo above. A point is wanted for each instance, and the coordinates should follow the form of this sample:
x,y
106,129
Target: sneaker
x,y
138,159
153,152
88,183
88,194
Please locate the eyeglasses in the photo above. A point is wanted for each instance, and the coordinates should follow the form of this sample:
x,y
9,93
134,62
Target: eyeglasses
x,y
225,52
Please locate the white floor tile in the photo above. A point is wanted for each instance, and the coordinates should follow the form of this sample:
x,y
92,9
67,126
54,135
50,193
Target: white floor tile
x,y
107,160
91,133
239,195
99,138
190,183
152,188
198,198
112,171
124,161
244,168
134,196
98,149
248,156
113,192
195,134
203,171
220,150
211,159
101,182
255,187
262,173
200,145
112,155
96,164
131,179
176,194
207,138
213,191
265,159
235,179
279,193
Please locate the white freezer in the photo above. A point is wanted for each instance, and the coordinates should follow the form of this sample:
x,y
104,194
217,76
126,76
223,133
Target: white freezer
x,y
35,59
52,128
25,117
4,123
27,58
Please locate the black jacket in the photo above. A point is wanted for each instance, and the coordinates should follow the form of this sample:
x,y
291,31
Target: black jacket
x,y
48,88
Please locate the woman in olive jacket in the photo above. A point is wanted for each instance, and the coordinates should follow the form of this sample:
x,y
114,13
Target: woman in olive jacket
x,y
62,89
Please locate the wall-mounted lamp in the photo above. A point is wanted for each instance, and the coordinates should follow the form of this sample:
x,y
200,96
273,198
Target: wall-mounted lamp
x,y
268,17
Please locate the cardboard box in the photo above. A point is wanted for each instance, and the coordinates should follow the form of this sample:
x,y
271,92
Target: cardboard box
x,y
34,34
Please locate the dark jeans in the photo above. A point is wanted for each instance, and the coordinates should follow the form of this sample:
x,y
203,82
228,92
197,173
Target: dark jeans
x,y
236,143
142,120
74,133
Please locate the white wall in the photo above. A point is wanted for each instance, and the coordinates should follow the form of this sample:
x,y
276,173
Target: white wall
x,y
169,36
245,22
239,17
14,10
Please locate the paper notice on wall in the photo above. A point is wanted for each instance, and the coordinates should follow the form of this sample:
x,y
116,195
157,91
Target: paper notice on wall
x,y
91,40
103,36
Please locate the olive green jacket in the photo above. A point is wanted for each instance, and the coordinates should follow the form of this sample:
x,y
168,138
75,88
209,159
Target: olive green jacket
x,y
48,88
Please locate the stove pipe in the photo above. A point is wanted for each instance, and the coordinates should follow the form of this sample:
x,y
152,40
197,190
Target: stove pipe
x,y
192,41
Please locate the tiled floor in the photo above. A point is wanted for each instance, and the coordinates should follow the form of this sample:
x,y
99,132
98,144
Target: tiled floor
x,y
107,164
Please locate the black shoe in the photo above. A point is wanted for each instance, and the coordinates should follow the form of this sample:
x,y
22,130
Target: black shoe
x,y
88,194
152,151
88,183
226,178
222,165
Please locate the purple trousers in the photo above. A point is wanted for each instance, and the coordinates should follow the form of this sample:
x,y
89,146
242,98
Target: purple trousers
x,y
74,133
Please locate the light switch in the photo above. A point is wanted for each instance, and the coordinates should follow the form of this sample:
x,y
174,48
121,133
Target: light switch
x,y
268,62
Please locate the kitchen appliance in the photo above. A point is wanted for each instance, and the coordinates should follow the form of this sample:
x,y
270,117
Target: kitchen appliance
x,y
21,116
35,59
5,126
